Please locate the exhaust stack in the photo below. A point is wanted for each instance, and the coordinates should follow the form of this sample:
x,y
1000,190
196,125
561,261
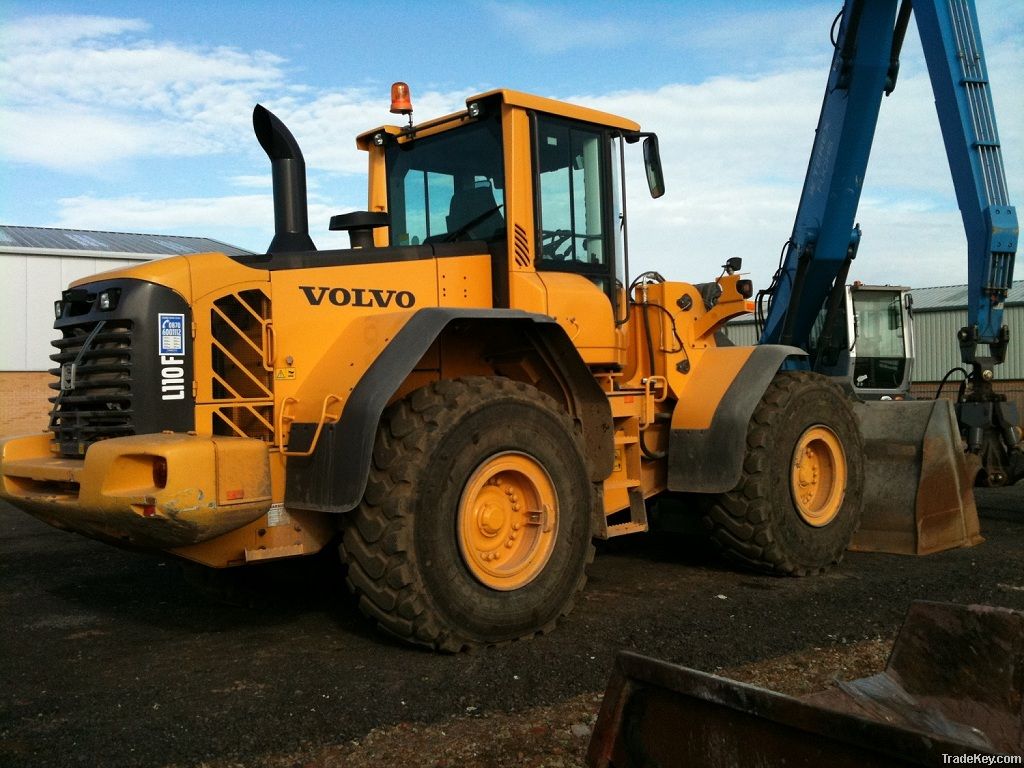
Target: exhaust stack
x,y
291,218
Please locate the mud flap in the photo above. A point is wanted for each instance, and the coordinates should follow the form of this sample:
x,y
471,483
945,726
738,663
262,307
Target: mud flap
x,y
918,482
951,687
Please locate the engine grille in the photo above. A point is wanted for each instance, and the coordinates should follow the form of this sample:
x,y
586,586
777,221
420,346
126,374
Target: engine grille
x,y
94,384
241,382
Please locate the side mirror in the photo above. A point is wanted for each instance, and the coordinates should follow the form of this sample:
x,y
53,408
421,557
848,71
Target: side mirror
x,y
652,164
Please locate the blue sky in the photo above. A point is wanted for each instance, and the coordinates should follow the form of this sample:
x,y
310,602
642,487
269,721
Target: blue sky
x,y
135,116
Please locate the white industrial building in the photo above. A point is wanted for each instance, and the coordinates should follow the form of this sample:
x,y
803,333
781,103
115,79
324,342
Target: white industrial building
x,y
36,264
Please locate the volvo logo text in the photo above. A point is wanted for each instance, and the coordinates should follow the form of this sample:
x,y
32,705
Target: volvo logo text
x,y
358,297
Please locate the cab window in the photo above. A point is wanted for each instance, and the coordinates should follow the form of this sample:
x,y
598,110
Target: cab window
x,y
574,197
447,187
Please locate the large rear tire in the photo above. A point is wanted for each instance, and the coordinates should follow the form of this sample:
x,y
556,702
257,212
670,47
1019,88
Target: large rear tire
x,y
476,524
798,502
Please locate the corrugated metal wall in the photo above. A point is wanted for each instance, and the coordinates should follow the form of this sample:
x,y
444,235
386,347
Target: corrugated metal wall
x,y
937,351
30,284
935,342
741,332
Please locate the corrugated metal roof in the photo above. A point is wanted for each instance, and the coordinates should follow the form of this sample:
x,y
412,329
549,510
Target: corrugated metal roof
x,y
46,239
955,296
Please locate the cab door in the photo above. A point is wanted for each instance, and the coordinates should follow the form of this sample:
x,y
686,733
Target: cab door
x,y
576,239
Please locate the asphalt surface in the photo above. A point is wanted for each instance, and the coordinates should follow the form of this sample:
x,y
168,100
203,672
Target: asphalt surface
x,y
109,658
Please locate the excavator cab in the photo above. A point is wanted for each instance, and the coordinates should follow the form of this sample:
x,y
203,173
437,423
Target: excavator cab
x,y
870,347
882,340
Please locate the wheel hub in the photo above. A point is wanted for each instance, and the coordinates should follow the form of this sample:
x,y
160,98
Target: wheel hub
x,y
818,476
491,519
507,521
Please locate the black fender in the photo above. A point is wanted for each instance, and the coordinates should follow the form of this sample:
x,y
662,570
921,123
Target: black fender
x,y
333,478
711,460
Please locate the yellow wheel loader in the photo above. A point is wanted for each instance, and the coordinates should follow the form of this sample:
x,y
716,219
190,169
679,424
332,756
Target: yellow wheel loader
x,y
467,397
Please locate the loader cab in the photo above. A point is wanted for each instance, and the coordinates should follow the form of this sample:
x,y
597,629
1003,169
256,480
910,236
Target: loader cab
x,y
447,183
535,184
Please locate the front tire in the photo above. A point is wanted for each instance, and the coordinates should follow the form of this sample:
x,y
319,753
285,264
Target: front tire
x,y
798,502
476,524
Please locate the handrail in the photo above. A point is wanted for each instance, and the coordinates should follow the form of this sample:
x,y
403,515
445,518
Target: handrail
x,y
324,418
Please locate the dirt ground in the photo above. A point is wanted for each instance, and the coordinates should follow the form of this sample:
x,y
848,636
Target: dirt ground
x,y
109,658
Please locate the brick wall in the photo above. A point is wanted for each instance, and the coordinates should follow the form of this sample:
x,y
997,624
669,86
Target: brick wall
x,y
24,407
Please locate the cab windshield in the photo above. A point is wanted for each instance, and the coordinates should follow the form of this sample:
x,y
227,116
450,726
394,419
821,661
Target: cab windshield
x,y
447,187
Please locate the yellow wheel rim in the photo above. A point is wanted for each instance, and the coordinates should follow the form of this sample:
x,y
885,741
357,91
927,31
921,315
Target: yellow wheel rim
x,y
507,521
818,476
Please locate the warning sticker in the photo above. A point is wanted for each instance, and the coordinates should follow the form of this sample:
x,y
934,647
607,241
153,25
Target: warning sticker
x,y
172,334
277,516
284,374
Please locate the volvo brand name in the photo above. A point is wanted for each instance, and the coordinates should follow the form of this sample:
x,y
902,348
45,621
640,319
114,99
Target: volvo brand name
x,y
358,297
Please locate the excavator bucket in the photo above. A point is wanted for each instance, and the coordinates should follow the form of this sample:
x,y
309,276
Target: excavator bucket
x,y
952,686
918,482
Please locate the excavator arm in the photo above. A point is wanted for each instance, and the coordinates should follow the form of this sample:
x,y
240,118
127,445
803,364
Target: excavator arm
x,y
818,255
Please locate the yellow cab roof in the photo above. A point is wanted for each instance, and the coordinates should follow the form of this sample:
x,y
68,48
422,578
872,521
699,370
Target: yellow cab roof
x,y
516,99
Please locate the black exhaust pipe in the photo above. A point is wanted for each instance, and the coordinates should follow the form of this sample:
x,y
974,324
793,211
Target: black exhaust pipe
x,y
291,217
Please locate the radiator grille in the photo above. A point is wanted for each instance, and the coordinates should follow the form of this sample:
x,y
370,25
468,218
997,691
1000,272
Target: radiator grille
x,y
94,384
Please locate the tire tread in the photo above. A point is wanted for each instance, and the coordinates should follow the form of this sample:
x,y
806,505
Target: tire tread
x,y
740,521
377,542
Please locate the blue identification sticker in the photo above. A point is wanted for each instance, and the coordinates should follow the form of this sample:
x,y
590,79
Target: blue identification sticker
x,y
172,334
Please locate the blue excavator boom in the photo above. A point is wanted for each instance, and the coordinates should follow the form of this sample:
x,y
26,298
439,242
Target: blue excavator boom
x,y
868,36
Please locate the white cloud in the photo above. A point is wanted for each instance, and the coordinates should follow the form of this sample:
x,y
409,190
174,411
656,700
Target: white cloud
x,y
327,125
92,91
53,31
80,92
188,214
251,182
553,30
79,139
94,94
736,151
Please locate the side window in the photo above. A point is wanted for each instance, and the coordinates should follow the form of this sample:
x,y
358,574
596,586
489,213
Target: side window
x,y
573,183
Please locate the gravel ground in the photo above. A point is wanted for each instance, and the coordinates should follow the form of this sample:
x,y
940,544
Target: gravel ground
x,y
108,658
557,736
